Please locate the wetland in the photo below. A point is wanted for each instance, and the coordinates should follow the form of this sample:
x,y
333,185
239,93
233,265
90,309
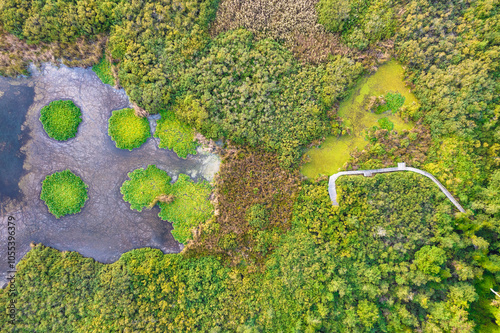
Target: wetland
x,y
106,227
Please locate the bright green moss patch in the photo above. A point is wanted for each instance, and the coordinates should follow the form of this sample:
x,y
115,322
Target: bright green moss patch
x,y
189,208
175,135
64,193
127,130
145,187
103,71
60,119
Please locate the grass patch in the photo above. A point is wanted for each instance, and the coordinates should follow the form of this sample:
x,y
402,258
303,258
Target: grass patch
x,y
190,207
175,135
127,130
103,71
145,186
60,119
64,193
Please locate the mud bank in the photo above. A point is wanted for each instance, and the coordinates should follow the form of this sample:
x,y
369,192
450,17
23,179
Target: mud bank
x,y
106,227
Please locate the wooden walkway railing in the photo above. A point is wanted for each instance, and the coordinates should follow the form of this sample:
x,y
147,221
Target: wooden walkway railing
x,y
332,190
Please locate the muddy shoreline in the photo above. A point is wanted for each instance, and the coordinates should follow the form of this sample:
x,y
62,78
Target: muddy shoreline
x,y
106,227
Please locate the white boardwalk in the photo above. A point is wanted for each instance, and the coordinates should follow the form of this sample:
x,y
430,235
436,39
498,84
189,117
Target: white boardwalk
x,y
401,167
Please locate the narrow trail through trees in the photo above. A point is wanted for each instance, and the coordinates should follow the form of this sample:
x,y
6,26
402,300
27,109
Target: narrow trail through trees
x,y
332,190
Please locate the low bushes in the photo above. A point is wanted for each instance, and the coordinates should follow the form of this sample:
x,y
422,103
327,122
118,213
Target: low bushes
x,y
64,193
189,207
60,119
175,135
145,186
127,130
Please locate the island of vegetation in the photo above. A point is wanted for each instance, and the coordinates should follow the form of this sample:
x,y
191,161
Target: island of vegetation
x,y
175,135
64,193
297,91
128,130
60,119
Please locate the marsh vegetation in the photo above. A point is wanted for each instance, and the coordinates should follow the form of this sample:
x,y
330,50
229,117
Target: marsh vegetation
x,y
64,193
60,119
127,130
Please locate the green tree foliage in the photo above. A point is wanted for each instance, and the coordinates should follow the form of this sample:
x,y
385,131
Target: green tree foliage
x,y
256,93
103,71
64,193
452,50
127,130
154,42
456,163
389,259
144,186
60,119
189,208
429,259
175,135
361,22
57,20
334,15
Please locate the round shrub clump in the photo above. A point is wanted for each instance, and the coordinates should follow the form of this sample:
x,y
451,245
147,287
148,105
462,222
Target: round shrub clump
x,y
127,130
64,193
145,187
60,119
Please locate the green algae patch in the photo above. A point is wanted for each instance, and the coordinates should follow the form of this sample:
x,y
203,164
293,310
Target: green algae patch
x,y
190,206
60,119
64,193
127,130
175,135
145,187
334,152
103,71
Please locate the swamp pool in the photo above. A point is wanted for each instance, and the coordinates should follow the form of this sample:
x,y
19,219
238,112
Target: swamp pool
x,y
106,227
335,151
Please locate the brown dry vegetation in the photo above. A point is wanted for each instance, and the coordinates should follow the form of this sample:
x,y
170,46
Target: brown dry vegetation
x,y
388,148
292,22
16,54
247,178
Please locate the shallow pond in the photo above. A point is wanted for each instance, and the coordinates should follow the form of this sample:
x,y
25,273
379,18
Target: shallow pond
x,y
106,227
334,152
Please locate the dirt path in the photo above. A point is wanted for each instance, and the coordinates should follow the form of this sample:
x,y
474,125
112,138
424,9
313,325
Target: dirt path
x,y
106,227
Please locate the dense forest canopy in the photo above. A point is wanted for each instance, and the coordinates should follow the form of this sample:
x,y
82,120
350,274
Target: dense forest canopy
x,y
275,255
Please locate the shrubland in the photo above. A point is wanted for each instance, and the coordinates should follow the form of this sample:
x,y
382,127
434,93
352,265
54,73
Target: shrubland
x,y
253,203
255,93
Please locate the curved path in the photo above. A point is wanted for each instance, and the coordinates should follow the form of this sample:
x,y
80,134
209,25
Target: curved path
x,y
401,167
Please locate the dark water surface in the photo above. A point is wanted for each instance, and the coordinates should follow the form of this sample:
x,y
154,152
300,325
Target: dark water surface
x,y
15,99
